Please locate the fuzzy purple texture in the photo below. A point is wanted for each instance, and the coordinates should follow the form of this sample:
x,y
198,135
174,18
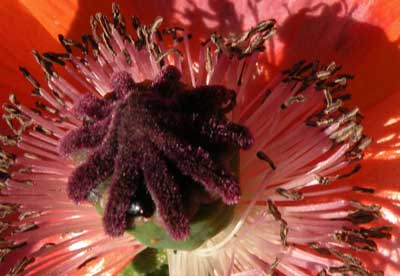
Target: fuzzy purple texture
x,y
125,181
137,132
93,107
83,138
122,84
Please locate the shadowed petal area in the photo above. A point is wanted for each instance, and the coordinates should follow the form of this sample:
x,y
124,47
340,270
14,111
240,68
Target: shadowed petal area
x,y
360,35
351,35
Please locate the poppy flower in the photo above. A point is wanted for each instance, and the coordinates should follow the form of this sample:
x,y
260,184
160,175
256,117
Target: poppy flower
x,y
214,148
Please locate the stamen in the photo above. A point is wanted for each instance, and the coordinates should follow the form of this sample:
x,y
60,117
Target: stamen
x,y
29,77
175,140
262,156
363,190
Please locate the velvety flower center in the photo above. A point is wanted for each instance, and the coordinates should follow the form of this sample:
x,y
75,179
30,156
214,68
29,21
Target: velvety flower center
x,y
160,142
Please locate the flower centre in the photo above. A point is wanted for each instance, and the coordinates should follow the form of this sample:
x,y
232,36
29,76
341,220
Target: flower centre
x,y
159,156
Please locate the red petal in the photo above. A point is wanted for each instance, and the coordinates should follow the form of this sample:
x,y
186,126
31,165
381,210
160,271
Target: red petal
x,y
20,33
382,160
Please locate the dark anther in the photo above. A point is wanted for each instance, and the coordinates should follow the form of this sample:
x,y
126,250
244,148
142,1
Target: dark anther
x,y
292,71
376,232
93,27
352,172
135,22
47,66
118,20
321,250
19,267
55,57
29,77
45,107
274,210
64,44
284,231
355,240
87,261
291,100
362,216
239,81
293,195
102,19
89,40
347,76
262,156
363,190
266,95
76,44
